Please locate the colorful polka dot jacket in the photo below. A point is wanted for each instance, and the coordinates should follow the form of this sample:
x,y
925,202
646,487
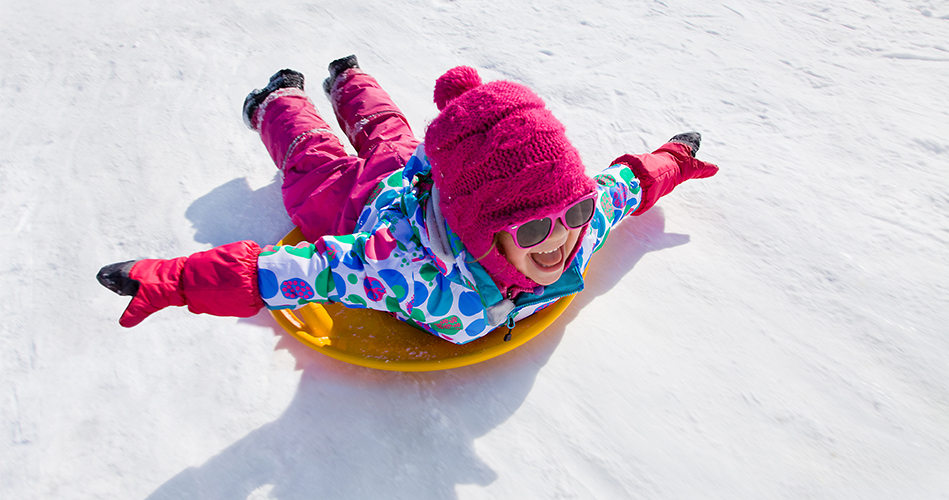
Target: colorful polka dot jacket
x,y
404,259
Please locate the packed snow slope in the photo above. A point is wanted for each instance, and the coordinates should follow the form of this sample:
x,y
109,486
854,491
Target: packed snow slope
x,y
778,331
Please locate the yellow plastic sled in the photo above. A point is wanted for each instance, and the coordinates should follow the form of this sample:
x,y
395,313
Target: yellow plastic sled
x,y
375,339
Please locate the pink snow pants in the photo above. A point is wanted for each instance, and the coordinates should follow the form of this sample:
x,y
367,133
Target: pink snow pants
x,y
324,188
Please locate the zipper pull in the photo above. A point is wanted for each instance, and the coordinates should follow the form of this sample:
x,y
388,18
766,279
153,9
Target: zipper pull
x,y
510,318
510,325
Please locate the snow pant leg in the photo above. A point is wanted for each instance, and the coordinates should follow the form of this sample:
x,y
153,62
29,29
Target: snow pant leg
x,y
325,189
367,114
377,129
318,173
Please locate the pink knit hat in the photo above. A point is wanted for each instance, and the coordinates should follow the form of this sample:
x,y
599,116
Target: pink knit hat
x,y
498,157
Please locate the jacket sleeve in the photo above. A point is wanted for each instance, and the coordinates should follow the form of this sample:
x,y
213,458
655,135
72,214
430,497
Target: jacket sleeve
x,y
373,270
619,194
350,269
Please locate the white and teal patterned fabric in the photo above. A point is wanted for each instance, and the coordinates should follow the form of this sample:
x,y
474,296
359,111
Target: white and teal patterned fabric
x,y
391,263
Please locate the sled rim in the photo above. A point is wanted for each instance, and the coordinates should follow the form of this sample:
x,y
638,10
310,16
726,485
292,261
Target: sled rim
x,y
313,326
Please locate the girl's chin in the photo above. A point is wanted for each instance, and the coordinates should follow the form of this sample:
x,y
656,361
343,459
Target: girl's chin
x,y
546,280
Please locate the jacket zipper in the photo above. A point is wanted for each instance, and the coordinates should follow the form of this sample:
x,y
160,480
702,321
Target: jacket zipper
x,y
510,317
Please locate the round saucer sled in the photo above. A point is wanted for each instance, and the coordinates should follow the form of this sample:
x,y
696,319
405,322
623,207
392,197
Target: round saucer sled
x,y
375,339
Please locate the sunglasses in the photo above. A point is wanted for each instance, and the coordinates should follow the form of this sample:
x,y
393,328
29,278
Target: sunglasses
x,y
535,232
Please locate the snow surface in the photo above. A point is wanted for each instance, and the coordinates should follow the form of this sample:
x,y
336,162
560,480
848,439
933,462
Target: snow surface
x,y
778,331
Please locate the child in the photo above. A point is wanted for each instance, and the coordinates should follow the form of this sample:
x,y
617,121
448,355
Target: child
x,y
488,221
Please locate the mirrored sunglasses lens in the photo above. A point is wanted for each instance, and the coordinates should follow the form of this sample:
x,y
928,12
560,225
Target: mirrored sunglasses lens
x,y
533,232
580,214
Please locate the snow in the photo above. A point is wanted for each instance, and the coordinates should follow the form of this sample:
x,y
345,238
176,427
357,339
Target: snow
x,y
778,331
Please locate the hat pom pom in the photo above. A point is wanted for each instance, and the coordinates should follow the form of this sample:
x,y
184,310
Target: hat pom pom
x,y
454,83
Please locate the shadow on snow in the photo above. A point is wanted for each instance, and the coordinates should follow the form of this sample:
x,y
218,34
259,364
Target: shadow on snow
x,y
353,432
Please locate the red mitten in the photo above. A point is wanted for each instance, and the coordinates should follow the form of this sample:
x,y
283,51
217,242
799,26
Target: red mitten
x,y
221,281
157,289
665,168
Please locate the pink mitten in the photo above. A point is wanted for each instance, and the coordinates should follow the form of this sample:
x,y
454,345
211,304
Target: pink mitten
x,y
157,289
665,168
221,281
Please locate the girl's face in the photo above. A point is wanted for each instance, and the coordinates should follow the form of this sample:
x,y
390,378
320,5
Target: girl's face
x,y
545,262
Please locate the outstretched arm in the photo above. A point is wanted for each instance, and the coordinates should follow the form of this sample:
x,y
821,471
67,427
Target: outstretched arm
x,y
221,281
662,170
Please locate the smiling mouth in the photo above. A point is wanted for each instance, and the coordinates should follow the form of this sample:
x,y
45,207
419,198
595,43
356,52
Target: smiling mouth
x,y
550,259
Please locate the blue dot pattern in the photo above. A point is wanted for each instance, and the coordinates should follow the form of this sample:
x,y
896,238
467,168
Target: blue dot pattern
x,y
391,267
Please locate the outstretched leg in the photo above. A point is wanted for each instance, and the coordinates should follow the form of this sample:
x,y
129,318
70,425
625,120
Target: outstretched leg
x,y
375,126
325,189
364,111
318,173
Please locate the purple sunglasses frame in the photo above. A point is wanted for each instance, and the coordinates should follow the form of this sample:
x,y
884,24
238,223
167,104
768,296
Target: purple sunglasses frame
x,y
512,230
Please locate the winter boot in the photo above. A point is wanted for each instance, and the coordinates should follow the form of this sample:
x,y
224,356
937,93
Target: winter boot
x,y
282,79
337,68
